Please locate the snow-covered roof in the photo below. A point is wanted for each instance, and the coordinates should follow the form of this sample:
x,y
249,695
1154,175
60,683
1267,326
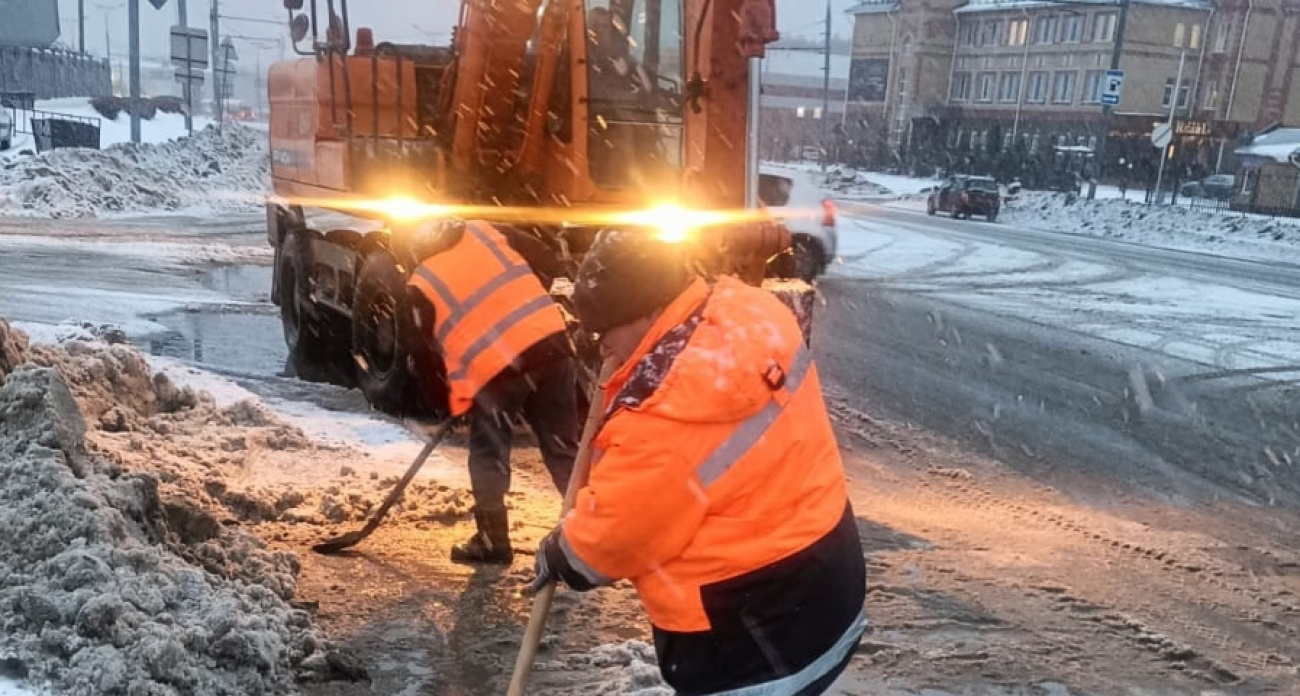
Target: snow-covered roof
x,y
994,5
780,64
1279,145
871,6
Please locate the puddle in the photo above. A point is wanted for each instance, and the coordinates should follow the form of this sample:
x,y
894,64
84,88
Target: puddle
x,y
241,282
245,340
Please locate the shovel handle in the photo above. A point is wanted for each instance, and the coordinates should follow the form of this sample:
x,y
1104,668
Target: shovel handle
x,y
542,600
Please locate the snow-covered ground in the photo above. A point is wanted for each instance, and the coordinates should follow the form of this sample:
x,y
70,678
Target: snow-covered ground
x,y
159,129
11,687
1224,324
213,172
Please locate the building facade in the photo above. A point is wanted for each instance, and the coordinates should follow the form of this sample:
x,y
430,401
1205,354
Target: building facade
x,y
1015,86
799,121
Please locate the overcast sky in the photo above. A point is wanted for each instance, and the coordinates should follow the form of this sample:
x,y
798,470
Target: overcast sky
x,y
392,20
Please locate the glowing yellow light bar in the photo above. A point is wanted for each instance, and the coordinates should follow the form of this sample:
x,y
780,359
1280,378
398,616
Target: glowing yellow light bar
x,y
671,222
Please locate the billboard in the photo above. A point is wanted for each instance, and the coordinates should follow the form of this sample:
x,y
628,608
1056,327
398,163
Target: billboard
x,y
868,79
31,23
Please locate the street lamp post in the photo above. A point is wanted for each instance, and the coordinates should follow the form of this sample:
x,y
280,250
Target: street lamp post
x,y
1099,157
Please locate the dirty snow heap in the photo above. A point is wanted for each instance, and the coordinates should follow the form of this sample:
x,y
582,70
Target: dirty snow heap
x,y
213,171
111,582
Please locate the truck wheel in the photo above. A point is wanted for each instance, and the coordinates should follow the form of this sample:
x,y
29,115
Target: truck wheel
x,y
384,336
929,207
809,259
304,333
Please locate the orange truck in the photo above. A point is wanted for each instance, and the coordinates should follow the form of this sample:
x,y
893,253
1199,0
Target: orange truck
x,y
554,117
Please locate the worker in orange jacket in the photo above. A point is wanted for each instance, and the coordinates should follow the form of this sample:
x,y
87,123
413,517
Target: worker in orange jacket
x,y
504,344
716,484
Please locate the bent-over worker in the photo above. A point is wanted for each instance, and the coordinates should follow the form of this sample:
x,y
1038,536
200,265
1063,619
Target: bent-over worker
x,y
716,484
503,341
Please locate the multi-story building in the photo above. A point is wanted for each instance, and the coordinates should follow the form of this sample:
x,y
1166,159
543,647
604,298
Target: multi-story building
x,y
792,103
1011,82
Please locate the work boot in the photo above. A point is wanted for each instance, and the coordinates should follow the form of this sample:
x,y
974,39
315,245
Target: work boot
x,y
491,544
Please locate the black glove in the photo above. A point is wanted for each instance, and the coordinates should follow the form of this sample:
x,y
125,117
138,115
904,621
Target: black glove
x,y
542,568
552,565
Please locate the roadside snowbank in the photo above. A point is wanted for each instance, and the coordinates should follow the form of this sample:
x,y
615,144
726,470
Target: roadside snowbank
x,y
122,565
1170,227
214,171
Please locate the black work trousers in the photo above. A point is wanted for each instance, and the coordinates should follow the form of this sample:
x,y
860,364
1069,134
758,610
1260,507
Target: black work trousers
x,y
546,397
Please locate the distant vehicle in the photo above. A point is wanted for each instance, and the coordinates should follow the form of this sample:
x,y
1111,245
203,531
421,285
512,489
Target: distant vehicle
x,y
6,129
963,196
1219,187
796,200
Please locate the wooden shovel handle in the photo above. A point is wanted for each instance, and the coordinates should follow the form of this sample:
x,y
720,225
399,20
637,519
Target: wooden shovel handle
x,y
542,600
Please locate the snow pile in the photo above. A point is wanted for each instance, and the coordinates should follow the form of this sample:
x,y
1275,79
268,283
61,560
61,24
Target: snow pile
x,y
1172,227
226,170
114,578
623,669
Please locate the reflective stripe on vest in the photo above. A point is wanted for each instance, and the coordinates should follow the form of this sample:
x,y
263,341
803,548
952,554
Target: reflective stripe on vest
x,y
749,432
468,368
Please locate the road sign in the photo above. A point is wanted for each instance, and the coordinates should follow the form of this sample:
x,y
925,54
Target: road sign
x,y
193,76
189,47
1112,87
158,4
1162,135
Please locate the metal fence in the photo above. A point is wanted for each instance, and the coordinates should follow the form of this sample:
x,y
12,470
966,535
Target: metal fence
x,y
52,74
1273,191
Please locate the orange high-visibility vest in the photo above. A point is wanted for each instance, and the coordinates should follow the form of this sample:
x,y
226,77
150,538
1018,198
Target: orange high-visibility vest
x,y
488,309
723,466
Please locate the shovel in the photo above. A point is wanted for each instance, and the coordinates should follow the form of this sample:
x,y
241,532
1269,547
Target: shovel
x,y
542,602
353,538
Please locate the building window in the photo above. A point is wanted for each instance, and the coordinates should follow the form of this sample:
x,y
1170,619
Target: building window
x,y
986,87
1222,35
1092,82
1071,28
1033,143
1211,96
961,86
954,137
1017,32
1195,41
1183,92
990,32
969,33
817,112
1103,28
1037,88
1007,140
1009,88
1045,29
1180,33
799,112
1092,143
1063,88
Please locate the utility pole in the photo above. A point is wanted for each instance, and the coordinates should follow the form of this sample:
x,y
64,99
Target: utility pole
x,y
214,41
183,19
81,26
1173,109
1116,53
133,31
826,87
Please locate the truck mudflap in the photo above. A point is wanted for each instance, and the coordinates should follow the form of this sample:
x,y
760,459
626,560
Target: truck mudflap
x,y
800,297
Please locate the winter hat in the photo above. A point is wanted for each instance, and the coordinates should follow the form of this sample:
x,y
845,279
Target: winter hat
x,y
626,275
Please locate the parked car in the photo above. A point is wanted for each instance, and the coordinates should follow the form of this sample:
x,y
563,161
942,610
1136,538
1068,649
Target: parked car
x,y
963,196
796,200
6,128
1219,187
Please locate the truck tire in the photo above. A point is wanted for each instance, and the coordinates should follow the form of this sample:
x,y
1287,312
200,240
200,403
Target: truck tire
x,y
384,337
307,330
809,259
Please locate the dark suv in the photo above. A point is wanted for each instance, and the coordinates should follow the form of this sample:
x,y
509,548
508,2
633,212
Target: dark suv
x,y
963,196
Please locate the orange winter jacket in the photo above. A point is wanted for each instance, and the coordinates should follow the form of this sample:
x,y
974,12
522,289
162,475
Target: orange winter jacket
x,y
717,488
489,308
